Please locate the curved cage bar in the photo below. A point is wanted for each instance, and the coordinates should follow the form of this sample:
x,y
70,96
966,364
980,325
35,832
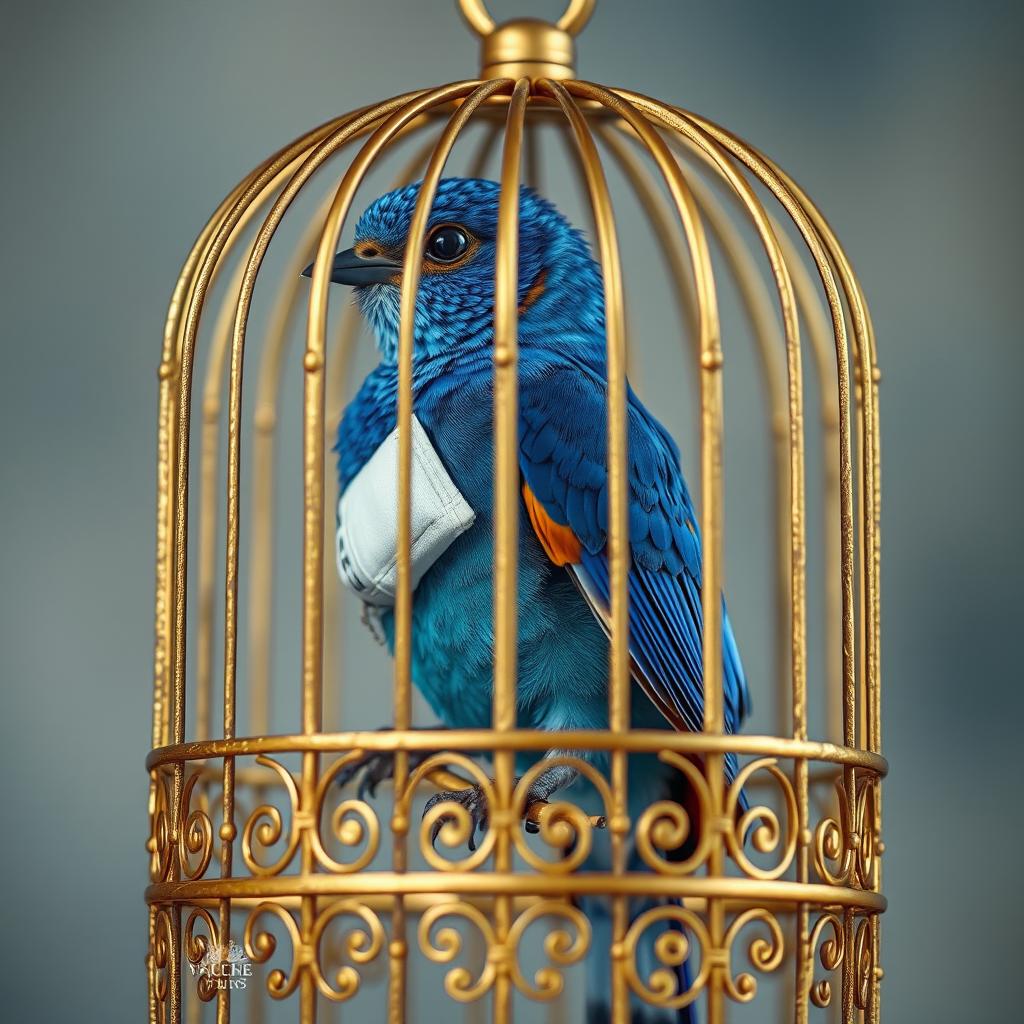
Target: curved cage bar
x,y
340,903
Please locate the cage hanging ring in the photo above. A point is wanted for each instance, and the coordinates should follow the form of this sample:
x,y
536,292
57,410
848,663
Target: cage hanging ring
x,y
577,13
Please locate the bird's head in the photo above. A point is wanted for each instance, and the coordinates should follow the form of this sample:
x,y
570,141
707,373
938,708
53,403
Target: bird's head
x,y
559,282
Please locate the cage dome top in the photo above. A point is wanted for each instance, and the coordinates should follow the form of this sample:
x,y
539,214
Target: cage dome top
x,y
527,47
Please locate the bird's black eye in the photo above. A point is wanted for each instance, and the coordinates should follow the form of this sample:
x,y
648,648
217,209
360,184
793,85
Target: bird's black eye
x,y
447,243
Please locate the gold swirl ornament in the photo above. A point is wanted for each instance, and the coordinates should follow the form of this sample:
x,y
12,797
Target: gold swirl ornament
x,y
265,826
197,945
195,839
831,954
360,945
260,947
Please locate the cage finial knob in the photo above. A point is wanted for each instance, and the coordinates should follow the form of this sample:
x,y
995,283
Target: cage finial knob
x,y
527,47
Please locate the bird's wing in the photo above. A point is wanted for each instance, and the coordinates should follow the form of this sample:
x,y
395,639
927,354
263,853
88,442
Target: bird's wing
x,y
563,445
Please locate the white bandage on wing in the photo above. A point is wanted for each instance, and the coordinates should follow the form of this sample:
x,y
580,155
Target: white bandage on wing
x,y
367,538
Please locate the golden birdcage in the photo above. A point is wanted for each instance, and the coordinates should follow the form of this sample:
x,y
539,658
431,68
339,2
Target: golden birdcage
x,y
254,848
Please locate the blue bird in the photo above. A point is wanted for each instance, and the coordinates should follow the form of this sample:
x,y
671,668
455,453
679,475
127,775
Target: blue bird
x,y
563,562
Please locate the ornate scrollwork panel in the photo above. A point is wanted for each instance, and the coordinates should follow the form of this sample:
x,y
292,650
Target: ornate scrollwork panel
x,y
195,836
761,822
353,823
764,954
159,842
260,947
196,946
360,944
561,946
163,942
666,825
863,963
563,826
264,827
866,824
445,944
831,954
458,829
846,847
672,948
833,851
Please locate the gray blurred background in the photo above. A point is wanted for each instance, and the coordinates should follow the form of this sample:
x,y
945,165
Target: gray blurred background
x,y
124,123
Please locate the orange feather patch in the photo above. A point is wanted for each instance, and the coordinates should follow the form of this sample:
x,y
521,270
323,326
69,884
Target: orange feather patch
x,y
560,544
535,291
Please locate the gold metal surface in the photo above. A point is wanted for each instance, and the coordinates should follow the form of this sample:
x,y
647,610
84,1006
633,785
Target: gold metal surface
x,y
250,837
527,47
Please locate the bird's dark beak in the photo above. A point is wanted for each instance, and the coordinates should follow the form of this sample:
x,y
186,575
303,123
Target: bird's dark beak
x,y
351,268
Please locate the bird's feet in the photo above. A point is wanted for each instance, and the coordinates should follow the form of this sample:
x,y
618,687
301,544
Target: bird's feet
x,y
473,799
375,767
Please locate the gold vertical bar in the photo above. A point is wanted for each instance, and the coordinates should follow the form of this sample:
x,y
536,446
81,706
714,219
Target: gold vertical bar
x,y
312,622
823,351
874,1012
403,603
167,444
316,331
227,829
165,519
261,545
190,298
869,463
809,227
340,362
257,186
151,999
660,217
180,332
506,516
210,453
859,547
875,688
848,1008
186,331
174,965
618,522
312,629
757,304
784,190
711,399
875,668
863,350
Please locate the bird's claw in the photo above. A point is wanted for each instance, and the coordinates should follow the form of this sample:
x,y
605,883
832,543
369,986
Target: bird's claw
x,y
372,769
474,800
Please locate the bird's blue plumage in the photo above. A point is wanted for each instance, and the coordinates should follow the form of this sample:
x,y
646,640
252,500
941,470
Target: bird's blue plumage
x,y
563,651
